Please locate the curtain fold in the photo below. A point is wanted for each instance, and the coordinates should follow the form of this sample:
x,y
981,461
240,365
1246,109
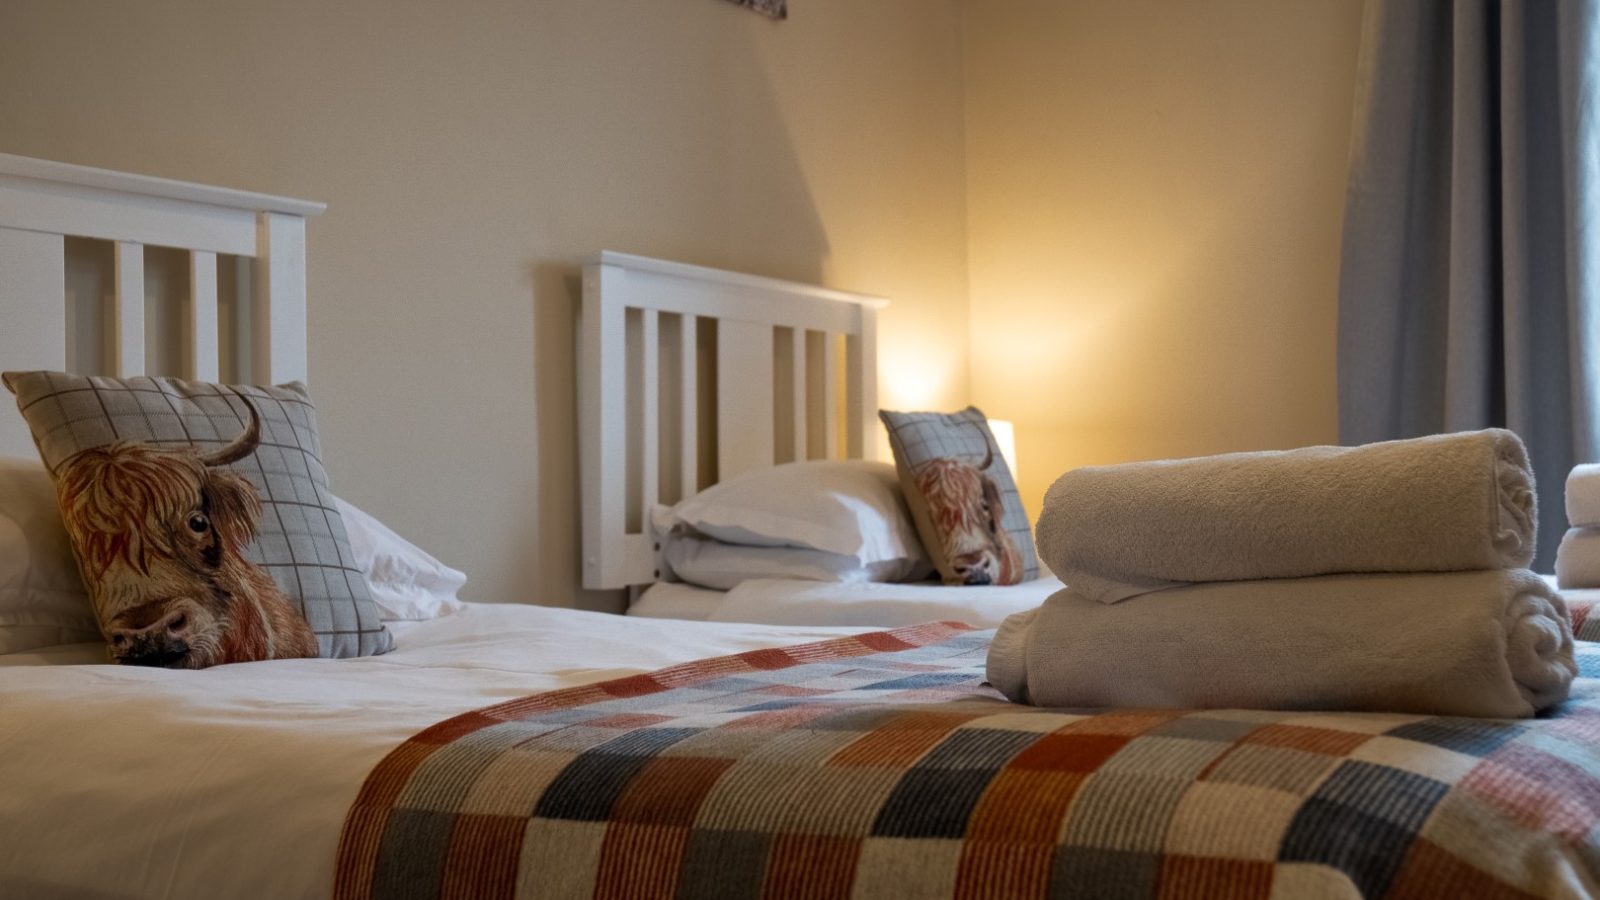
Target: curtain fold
x,y
1469,291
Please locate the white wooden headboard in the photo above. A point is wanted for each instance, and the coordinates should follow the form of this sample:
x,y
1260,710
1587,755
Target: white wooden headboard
x,y
45,206
689,375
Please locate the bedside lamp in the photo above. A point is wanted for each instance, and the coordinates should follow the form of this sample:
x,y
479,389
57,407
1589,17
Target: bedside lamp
x,y
1005,438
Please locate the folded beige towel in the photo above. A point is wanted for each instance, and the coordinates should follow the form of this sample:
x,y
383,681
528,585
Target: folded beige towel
x,y
1445,503
1578,559
1488,643
1583,496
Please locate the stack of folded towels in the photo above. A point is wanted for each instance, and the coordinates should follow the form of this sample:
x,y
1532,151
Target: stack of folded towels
x,y
1390,577
1578,557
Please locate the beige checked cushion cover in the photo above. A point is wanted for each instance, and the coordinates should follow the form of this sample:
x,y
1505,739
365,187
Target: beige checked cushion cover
x,y
962,497
301,541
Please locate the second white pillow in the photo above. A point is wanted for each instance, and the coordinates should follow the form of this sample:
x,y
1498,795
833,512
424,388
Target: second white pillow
x,y
714,564
42,598
851,508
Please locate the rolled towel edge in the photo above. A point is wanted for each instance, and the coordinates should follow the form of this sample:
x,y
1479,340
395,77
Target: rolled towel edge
x,y
1007,666
1539,647
1517,505
1578,559
1582,496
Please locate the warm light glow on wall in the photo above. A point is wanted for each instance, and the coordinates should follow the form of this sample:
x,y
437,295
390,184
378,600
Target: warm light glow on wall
x,y
910,378
1005,438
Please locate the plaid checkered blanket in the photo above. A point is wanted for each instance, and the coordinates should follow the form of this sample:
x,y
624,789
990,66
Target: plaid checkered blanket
x,y
880,766
1585,624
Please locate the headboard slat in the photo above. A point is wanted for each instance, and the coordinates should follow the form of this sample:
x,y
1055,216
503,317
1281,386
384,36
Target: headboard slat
x,y
830,396
744,397
204,352
689,405
33,294
861,382
650,432
610,552
798,382
279,308
129,325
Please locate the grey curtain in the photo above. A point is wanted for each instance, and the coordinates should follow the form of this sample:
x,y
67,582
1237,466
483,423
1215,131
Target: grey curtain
x,y
1469,290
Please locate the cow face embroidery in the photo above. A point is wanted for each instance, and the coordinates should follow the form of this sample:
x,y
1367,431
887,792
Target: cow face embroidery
x,y
967,510
160,535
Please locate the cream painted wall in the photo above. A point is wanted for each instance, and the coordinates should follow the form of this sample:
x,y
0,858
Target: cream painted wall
x,y
1155,192
470,151
1126,211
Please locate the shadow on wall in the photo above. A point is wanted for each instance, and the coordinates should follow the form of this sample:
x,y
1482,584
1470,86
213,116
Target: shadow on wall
x,y
760,220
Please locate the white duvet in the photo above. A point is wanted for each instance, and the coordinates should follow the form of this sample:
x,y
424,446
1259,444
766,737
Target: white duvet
x,y
234,781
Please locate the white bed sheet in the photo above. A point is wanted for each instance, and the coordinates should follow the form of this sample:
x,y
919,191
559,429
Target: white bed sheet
x,y
786,601
234,781
677,600
59,655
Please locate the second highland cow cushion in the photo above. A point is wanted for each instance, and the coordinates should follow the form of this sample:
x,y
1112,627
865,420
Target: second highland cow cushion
x,y
300,539
962,497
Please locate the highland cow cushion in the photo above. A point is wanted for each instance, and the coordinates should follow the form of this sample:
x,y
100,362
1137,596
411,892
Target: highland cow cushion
x,y
962,497
299,538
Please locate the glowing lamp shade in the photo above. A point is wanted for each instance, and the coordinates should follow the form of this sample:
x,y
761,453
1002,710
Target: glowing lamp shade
x,y
1005,437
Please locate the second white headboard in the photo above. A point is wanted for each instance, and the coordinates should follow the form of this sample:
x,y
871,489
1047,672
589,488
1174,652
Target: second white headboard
x,y
689,375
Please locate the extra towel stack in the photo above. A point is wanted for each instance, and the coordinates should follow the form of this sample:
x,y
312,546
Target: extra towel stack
x,y
1389,577
1578,557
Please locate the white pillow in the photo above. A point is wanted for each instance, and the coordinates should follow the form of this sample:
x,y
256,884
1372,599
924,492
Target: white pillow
x,y
42,598
43,602
852,508
404,580
714,564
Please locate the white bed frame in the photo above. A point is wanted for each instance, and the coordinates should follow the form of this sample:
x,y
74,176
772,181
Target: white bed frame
x,y
688,376
43,203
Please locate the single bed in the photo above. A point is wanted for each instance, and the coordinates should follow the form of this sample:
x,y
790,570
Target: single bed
x,y
690,377
146,782
245,780
513,750
152,783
